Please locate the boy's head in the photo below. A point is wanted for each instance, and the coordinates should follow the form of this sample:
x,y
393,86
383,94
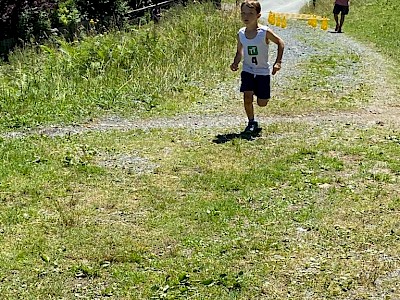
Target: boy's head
x,y
251,4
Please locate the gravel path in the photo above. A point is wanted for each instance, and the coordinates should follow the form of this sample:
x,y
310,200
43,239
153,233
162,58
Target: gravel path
x,y
302,42
292,6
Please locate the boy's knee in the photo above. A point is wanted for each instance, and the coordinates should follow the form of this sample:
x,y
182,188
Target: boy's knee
x,y
262,102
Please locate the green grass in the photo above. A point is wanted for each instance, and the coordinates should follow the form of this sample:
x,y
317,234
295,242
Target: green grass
x,y
371,21
315,81
306,211
316,210
165,69
132,72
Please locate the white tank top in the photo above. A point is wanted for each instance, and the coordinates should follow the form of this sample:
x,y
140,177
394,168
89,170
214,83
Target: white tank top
x,y
255,52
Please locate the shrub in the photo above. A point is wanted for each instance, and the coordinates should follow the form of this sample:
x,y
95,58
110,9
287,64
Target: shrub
x,y
33,21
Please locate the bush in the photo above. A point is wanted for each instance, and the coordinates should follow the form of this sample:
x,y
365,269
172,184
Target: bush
x,y
33,21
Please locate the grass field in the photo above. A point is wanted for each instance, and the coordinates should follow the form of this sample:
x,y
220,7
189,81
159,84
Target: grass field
x,y
315,211
306,211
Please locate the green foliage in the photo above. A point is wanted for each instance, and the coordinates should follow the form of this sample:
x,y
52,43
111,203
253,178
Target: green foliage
x,y
380,28
37,21
80,155
34,24
126,72
68,14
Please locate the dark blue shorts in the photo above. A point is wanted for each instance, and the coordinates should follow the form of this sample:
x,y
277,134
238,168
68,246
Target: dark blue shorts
x,y
259,84
340,9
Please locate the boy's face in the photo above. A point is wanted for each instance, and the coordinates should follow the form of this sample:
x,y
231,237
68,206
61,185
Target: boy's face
x,y
249,15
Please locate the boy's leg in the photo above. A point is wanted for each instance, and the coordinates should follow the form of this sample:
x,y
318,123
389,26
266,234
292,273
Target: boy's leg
x,y
247,88
248,104
262,102
263,89
252,125
250,87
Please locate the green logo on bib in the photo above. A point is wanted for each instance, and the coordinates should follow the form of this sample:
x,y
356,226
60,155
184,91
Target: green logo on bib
x,y
252,50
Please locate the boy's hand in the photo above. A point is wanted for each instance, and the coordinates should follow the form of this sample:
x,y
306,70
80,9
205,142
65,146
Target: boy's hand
x,y
276,68
234,67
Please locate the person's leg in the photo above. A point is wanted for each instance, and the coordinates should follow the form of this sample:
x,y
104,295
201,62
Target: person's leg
x,y
262,102
248,105
336,16
247,88
336,11
252,125
345,11
342,16
262,89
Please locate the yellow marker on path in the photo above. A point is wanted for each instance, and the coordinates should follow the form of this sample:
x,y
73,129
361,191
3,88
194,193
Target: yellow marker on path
x,y
324,24
284,22
271,18
313,21
278,20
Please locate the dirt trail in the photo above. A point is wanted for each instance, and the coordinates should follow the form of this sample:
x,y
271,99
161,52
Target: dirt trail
x,y
382,109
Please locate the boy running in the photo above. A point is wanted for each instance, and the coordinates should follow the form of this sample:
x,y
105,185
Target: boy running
x,y
252,45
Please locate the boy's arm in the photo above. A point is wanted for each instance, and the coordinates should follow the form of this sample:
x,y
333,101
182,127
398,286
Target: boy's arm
x,y
281,46
238,56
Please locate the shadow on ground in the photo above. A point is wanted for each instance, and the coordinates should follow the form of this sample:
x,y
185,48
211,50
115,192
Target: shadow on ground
x,y
224,138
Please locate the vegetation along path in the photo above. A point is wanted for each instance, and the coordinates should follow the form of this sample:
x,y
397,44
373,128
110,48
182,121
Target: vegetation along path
x,y
316,64
309,210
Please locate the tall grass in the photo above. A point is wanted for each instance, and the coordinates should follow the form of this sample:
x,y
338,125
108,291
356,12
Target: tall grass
x,y
143,68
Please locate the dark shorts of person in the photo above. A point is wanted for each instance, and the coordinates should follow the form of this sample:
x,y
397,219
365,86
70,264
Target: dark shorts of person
x,y
260,85
340,9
